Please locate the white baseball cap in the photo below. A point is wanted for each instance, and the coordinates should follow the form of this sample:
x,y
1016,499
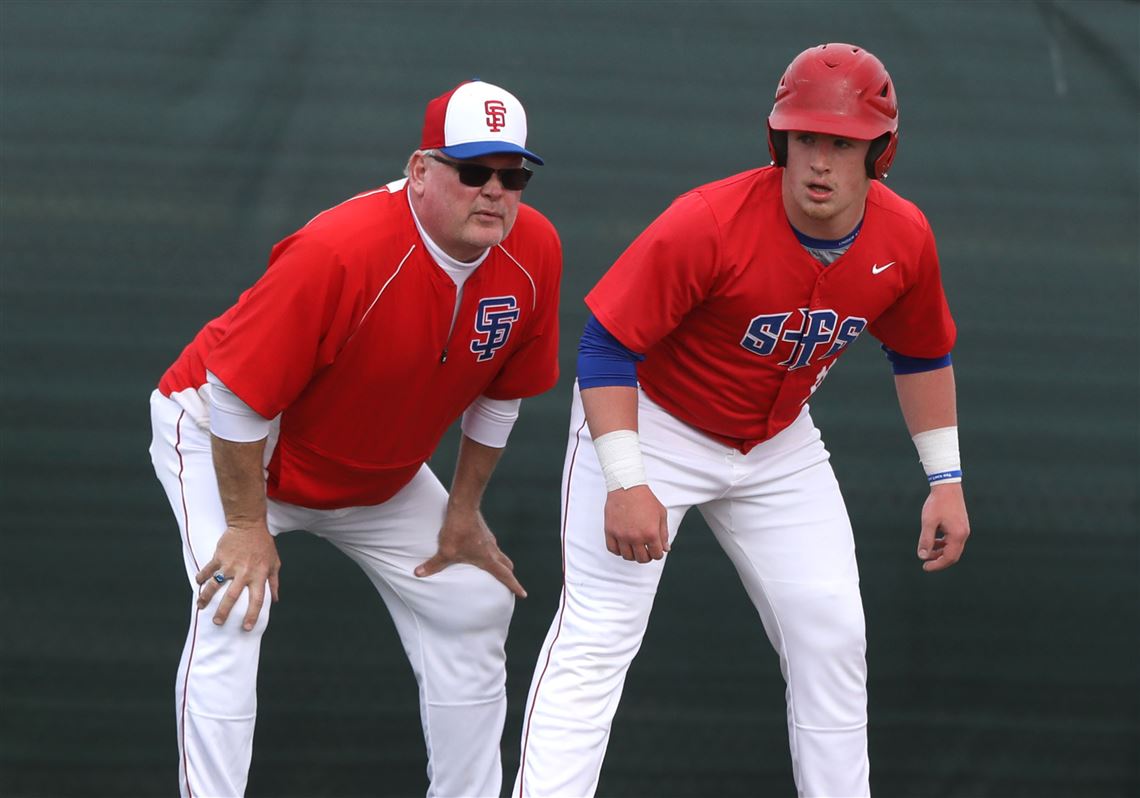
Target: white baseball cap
x,y
474,119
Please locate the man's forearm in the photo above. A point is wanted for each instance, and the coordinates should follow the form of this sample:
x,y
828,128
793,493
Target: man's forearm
x,y
610,408
473,468
927,399
929,406
241,480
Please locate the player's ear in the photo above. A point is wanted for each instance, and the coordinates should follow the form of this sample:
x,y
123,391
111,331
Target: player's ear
x,y
415,169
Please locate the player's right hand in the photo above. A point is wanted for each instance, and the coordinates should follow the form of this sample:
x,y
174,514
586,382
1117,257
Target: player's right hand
x,y
637,526
247,556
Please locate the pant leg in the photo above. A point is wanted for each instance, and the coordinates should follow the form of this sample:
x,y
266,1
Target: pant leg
x,y
453,626
215,690
785,528
602,616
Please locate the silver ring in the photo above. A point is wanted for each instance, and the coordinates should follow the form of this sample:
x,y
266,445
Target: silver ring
x,y
220,577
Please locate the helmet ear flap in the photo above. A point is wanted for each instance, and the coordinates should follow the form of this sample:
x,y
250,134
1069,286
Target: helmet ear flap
x,y
778,146
876,163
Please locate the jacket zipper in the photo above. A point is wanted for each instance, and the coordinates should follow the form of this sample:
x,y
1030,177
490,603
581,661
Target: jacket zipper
x,y
451,329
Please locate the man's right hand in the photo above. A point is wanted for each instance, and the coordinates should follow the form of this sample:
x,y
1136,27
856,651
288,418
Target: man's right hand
x,y
247,557
636,524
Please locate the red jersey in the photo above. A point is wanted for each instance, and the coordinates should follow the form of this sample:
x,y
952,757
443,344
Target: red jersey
x,y
349,337
739,324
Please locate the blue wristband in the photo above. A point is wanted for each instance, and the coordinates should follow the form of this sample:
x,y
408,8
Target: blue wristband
x,y
944,476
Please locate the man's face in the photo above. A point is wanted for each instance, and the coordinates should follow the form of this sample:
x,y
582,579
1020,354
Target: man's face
x,y
825,183
463,220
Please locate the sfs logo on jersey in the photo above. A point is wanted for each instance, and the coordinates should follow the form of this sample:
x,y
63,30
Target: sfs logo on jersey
x,y
494,320
816,334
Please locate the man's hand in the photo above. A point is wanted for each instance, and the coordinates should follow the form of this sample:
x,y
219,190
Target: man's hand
x,y
636,524
247,557
945,527
465,537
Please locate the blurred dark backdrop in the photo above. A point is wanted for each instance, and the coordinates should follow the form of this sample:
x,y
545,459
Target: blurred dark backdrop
x,y
153,152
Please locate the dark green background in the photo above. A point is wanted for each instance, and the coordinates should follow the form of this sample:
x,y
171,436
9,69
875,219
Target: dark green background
x,y
153,152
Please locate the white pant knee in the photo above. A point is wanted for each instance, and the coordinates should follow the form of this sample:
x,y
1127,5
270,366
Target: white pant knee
x,y
218,673
824,656
457,641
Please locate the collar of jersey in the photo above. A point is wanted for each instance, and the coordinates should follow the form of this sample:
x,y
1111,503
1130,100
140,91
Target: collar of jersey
x,y
826,243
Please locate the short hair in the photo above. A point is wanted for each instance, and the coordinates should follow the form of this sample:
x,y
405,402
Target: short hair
x,y
408,165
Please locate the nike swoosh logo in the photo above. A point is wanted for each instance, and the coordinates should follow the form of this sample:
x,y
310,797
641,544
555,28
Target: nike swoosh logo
x,y
876,269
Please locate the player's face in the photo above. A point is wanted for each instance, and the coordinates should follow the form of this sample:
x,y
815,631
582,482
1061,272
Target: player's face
x,y
825,183
463,220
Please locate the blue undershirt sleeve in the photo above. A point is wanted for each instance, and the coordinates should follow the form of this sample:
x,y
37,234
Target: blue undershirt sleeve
x,y
603,360
901,364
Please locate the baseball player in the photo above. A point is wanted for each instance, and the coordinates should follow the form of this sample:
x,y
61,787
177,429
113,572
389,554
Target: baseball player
x,y
313,404
707,338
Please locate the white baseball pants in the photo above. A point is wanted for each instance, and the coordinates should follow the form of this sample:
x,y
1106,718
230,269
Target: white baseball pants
x,y
778,514
453,625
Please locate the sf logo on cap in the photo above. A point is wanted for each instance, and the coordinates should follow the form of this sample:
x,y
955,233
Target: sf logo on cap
x,y
496,115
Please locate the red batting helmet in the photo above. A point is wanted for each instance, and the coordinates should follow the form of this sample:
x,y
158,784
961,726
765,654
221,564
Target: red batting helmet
x,y
840,90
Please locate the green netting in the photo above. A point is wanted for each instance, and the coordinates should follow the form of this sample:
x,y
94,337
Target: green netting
x,y
150,155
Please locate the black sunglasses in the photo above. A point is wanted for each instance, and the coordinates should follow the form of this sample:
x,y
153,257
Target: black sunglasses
x,y
476,175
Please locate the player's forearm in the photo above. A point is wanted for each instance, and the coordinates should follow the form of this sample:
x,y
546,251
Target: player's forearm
x,y
929,406
927,399
473,469
241,480
609,408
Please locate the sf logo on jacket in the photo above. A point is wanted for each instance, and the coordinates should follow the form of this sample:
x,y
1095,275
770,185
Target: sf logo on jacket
x,y
494,320
810,331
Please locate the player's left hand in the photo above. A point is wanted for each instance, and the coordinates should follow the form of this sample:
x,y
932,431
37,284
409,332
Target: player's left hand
x,y
945,527
465,537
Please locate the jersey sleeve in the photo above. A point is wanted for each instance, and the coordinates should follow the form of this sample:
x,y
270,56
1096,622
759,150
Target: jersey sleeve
x,y
533,367
288,326
603,360
667,270
918,324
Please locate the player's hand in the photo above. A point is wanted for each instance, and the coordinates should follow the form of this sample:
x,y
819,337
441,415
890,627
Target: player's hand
x,y
637,526
945,527
247,556
465,537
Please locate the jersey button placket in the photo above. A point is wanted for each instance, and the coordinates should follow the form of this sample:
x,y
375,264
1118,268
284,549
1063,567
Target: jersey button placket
x,y
788,378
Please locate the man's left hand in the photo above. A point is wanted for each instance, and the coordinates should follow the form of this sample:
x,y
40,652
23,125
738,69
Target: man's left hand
x,y
945,527
465,537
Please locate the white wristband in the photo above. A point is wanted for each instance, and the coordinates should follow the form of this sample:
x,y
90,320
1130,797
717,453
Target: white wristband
x,y
620,458
938,451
